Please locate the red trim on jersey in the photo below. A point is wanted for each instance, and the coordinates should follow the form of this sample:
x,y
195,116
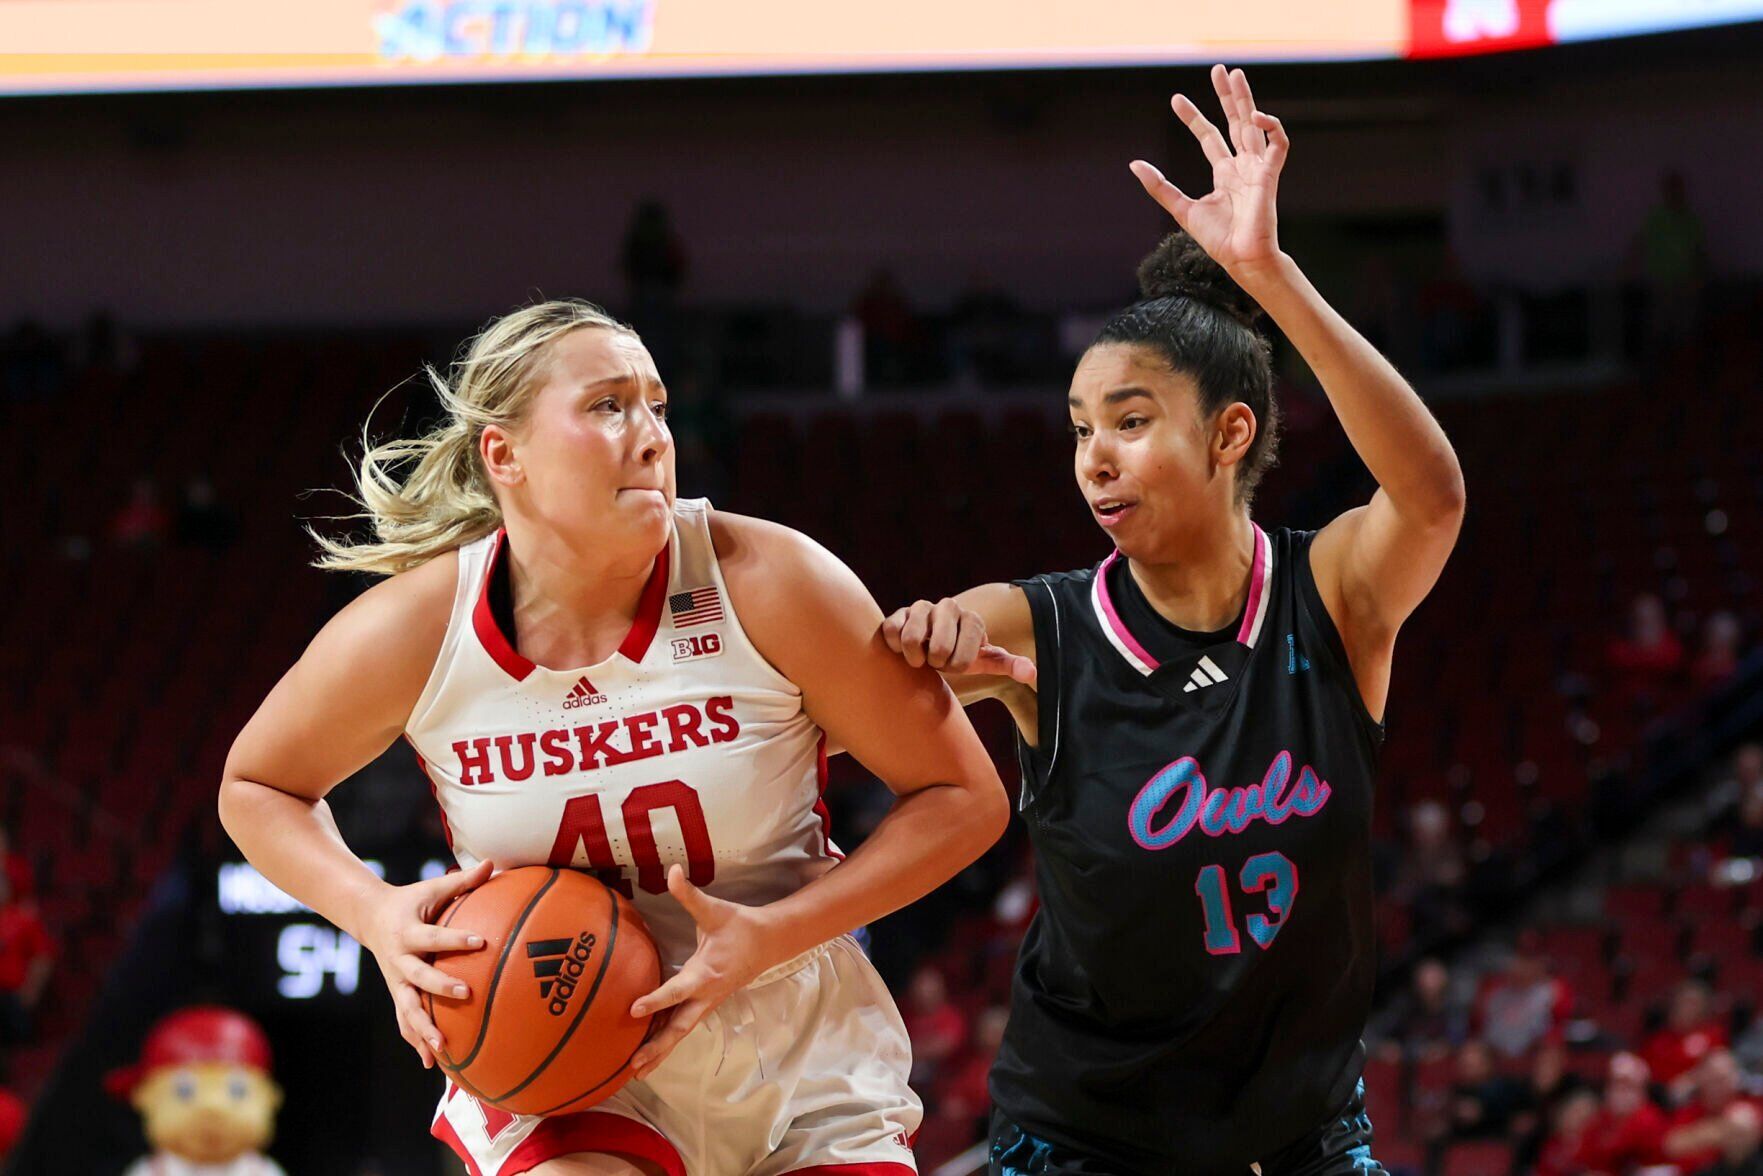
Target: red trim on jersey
x,y
636,642
881,1168
518,666
593,1131
443,1131
826,818
434,793
483,619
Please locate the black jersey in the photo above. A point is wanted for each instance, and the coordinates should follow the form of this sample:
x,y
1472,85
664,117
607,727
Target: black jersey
x,y
1190,996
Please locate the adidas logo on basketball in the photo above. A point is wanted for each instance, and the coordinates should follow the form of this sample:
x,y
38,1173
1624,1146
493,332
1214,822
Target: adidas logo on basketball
x,y
558,965
583,694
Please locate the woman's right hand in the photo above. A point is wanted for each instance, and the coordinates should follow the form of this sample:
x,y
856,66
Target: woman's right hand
x,y
400,932
951,639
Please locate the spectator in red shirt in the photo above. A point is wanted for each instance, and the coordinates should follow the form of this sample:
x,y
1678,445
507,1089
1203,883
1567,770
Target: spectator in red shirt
x,y
1716,1119
1628,1129
12,1117
26,957
1561,1151
1650,657
1690,1032
1526,1005
935,1025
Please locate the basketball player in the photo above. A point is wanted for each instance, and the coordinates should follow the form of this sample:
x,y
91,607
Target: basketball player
x,y
1200,717
597,675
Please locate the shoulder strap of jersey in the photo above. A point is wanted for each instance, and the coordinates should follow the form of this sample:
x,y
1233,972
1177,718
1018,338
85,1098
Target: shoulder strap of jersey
x,y
474,562
694,554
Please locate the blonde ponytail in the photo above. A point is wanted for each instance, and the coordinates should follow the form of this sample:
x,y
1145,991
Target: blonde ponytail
x,y
445,500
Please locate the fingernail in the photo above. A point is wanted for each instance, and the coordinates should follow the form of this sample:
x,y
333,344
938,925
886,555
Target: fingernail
x,y
434,1043
474,941
459,991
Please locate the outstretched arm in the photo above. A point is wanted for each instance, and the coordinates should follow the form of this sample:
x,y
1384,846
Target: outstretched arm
x,y
1376,563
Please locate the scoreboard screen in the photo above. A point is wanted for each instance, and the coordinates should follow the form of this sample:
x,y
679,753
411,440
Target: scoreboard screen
x,y
279,950
84,46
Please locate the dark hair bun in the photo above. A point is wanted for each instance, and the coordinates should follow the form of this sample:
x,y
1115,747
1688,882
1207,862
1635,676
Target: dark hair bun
x,y
1179,268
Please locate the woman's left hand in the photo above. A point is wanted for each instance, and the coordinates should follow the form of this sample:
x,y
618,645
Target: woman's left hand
x,y
735,944
1236,223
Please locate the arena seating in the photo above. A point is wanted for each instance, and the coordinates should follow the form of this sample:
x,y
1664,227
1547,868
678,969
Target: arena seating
x,y
128,670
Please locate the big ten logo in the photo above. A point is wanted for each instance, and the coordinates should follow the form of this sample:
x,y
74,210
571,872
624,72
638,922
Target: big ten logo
x,y
693,648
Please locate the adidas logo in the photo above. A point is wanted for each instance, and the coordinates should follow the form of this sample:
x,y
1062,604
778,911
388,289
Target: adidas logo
x,y
583,694
1205,674
558,965
1295,661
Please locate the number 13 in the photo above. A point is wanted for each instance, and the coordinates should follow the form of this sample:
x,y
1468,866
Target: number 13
x,y
1272,872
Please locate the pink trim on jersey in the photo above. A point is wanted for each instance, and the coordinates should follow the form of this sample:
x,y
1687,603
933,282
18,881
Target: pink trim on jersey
x,y
820,810
1257,590
518,666
1114,621
872,1168
593,1131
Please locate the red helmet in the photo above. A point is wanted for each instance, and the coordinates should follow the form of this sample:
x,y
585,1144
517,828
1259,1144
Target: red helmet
x,y
203,1033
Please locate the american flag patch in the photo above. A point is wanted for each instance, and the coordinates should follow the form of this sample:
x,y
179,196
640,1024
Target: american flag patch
x,y
700,606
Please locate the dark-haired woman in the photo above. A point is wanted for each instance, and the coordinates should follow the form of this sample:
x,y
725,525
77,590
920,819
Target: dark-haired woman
x,y
1200,716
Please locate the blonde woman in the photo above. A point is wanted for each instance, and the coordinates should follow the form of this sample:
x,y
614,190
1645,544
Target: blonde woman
x,y
597,675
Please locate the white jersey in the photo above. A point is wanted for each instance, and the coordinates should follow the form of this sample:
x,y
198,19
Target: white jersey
x,y
684,746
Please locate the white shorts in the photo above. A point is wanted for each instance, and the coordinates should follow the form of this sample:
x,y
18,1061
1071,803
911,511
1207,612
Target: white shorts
x,y
802,1071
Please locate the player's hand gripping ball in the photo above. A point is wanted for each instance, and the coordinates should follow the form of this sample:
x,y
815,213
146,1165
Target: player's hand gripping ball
x,y
546,1026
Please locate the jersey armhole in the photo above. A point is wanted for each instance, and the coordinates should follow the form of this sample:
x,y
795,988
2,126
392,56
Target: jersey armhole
x,y
431,689
1043,607
1310,599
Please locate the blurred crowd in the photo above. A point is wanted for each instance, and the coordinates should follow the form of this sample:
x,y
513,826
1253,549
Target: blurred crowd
x,y
27,964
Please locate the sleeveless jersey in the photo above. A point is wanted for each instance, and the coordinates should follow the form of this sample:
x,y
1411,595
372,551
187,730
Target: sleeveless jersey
x,y
1191,993
684,746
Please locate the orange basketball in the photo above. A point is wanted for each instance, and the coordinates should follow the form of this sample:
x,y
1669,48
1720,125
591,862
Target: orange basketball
x,y
547,1028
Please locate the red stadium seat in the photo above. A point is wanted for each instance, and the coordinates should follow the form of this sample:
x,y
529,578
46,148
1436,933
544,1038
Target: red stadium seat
x,y
1477,1158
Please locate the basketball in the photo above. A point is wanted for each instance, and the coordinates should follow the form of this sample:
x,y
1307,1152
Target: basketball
x,y
547,1028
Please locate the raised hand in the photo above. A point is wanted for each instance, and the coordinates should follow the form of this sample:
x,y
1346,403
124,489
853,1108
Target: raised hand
x,y
1237,222
401,934
952,639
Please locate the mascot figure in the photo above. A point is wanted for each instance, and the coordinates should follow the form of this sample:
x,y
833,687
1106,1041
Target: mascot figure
x,y
205,1096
